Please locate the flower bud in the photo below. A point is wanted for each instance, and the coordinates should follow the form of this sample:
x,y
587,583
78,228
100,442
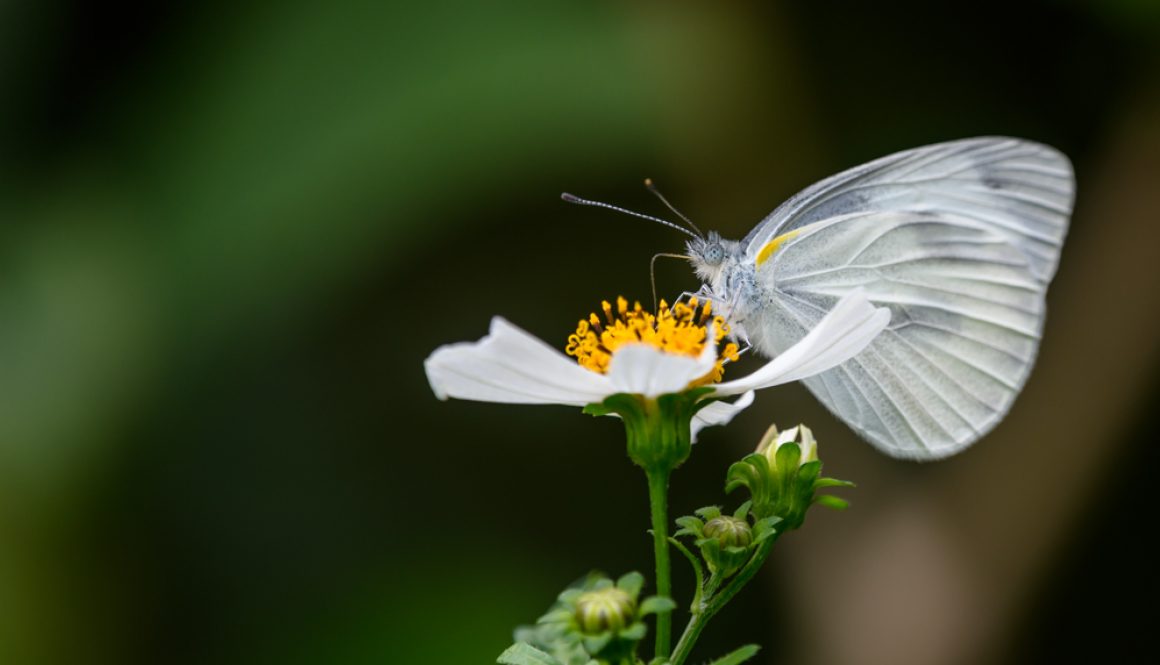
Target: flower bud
x,y
783,477
773,440
608,609
726,541
729,531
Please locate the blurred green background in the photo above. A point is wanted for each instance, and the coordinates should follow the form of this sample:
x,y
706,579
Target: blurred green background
x,y
231,232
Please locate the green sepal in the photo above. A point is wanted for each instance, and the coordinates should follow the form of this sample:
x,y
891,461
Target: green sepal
x,y
656,604
742,510
560,632
766,524
831,501
765,528
593,644
555,616
720,551
809,472
659,430
787,457
600,408
631,583
746,473
690,526
739,656
522,653
635,632
570,595
708,512
784,487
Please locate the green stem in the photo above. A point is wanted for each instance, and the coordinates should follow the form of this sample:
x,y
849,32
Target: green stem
x,y
710,588
714,604
658,498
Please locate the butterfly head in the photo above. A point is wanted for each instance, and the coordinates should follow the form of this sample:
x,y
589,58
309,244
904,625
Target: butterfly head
x,y
711,255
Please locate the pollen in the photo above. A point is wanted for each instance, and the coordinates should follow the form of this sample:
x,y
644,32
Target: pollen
x,y
681,329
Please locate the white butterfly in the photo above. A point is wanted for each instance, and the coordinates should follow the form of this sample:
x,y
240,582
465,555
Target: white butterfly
x,y
959,240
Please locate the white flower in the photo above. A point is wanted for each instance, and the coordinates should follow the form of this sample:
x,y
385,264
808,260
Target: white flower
x,y
510,365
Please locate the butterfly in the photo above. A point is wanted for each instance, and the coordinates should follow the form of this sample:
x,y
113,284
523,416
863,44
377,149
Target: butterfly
x,y
958,239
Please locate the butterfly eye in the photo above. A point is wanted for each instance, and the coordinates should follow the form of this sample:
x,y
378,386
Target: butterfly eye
x,y
714,254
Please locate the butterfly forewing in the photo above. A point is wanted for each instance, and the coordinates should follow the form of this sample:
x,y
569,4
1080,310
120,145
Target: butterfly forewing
x,y
1021,189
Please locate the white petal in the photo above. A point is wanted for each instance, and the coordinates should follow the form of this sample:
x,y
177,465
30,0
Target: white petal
x,y
839,336
809,445
719,413
512,366
787,436
646,370
768,439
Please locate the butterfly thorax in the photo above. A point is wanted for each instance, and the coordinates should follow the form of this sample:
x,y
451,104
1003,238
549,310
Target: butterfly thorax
x,y
730,281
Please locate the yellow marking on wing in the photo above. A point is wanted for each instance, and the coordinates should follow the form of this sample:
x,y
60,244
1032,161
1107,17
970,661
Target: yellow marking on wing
x,y
771,246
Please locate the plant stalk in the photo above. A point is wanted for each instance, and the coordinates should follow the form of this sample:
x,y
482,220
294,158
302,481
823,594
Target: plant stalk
x,y
714,604
658,497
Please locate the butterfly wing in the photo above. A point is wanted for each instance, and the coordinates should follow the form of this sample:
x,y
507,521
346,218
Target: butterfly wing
x,y
959,240
1020,189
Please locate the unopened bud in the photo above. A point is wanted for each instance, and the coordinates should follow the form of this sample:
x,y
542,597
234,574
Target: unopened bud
x,y
729,531
604,609
801,436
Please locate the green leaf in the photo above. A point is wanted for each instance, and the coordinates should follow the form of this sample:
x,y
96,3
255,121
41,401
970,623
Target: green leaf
x,y
522,653
739,656
656,604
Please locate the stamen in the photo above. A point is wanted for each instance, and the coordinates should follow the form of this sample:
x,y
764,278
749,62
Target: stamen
x,y
681,329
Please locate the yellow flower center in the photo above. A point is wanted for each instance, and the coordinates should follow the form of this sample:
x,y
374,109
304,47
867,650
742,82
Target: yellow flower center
x,y
681,329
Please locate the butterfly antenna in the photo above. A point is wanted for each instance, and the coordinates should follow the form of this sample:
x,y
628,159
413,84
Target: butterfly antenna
x,y
657,193
652,272
585,202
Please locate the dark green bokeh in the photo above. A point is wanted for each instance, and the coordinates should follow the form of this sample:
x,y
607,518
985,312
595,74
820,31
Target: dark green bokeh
x,y
230,233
